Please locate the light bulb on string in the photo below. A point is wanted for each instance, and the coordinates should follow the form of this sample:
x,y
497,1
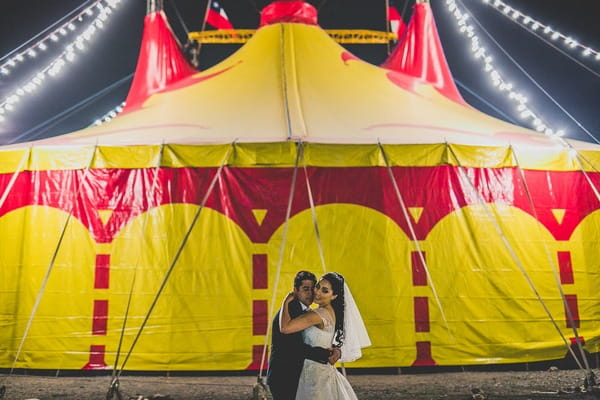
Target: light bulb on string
x,y
55,66
61,31
552,33
479,52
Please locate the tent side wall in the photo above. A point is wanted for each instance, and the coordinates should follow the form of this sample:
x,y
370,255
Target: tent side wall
x,y
439,262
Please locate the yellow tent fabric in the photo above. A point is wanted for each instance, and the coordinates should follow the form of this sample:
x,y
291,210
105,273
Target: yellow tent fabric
x,y
447,232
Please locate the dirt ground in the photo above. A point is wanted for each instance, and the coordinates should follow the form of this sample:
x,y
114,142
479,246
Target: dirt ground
x,y
550,384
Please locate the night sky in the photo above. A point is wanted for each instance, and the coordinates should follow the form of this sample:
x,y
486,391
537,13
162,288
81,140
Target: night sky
x,y
111,57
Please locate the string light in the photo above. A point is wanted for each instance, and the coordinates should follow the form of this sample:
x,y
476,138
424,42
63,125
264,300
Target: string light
x,y
481,54
11,61
57,64
535,25
109,115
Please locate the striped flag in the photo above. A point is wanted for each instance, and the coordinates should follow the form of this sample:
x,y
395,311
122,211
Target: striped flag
x,y
397,25
216,16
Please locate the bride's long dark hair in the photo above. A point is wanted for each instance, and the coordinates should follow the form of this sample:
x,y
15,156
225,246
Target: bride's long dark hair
x,y
338,304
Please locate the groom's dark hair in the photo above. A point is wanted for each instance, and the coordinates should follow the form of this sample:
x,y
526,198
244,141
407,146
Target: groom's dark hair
x,y
304,276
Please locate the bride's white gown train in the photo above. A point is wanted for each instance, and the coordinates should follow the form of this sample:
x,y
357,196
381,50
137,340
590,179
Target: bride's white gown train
x,y
322,381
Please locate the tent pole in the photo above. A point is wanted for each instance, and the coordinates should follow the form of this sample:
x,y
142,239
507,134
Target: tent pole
x,y
554,273
178,254
52,260
114,384
414,236
153,6
196,55
387,25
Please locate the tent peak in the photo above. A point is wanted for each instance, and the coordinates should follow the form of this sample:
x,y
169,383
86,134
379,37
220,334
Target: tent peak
x,y
160,63
288,11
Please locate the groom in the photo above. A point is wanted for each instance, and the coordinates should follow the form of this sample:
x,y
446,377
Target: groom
x,y
289,351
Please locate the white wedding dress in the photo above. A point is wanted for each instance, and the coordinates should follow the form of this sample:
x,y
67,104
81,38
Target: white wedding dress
x,y
322,381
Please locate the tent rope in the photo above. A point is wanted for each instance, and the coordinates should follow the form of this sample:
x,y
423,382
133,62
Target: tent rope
x,y
313,212
414,237
178,254
587,177
513,254
13,179
52,260
114,384
299,151
37,130
8,189
554,271
180,18
588,162
284,83
590,380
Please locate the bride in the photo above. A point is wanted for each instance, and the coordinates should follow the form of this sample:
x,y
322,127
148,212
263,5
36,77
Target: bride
x,y
336,322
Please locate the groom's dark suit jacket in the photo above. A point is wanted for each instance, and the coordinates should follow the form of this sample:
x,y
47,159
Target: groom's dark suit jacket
x,y
287,357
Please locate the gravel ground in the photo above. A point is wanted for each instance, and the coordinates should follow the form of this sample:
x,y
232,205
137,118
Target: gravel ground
x,y
552,384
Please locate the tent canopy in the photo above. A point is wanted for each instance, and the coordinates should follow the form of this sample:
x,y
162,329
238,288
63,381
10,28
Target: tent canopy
x,y
291,81
459,234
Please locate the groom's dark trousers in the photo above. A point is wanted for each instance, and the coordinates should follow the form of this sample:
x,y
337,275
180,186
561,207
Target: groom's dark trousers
x,y
287,357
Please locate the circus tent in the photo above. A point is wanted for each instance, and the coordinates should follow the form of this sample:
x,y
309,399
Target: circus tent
x,y
172,233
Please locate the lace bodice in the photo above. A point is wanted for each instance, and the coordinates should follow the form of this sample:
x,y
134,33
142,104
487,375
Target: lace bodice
x,y
317,337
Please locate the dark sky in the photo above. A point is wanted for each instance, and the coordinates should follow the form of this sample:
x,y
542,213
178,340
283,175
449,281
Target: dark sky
x,y
112,54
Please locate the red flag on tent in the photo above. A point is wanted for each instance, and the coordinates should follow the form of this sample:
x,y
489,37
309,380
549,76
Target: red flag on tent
x,y
397,25
420,54
216,16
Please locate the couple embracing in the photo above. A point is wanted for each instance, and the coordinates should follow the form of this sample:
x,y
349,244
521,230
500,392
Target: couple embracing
x,y
306,343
